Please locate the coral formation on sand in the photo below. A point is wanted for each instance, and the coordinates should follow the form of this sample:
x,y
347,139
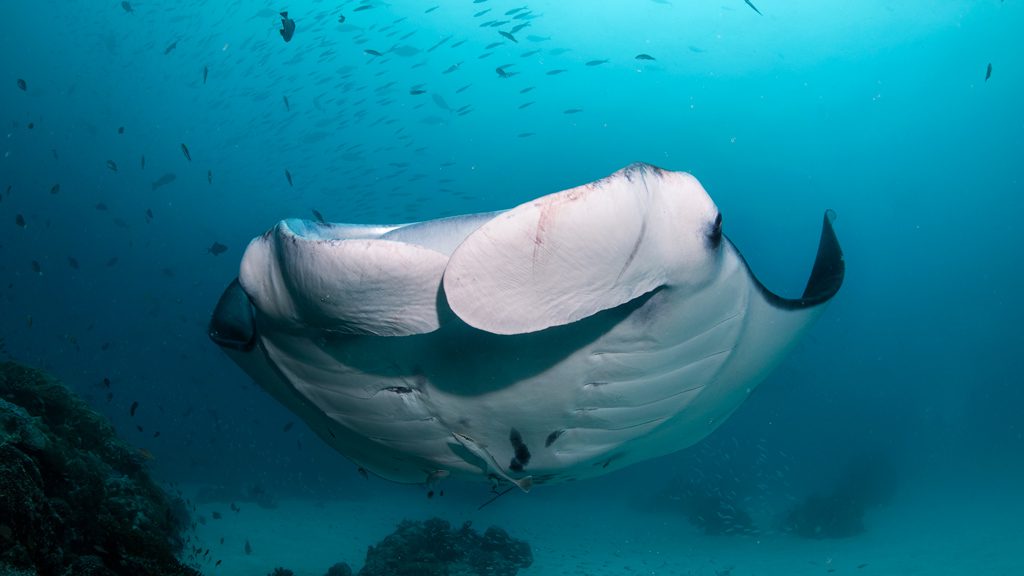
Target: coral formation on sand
x,y
868,481
339,569
74,499
433,548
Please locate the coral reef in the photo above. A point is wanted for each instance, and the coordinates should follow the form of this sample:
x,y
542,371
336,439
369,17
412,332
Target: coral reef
x,y
339,569
433,548
74,499
868,481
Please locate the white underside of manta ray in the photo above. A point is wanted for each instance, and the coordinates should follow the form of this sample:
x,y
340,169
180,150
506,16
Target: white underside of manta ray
x,y
562,339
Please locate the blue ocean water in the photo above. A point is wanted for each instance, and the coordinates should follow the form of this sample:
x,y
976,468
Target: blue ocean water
x,y
136,136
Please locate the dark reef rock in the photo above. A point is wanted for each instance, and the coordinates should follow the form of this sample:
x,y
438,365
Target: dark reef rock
x,y
74,499
867,482
339,569
432,548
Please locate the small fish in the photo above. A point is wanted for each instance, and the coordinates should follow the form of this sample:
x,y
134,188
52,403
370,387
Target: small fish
x,y
644,57
572,111
596,62
452,68
288,175
120,129
170,47
372,52
417,91
288,426
751,4
112,165
149,215
363,7
106,383
134,407
287,105
988,72
287,27
319,217
216,515
363,473
556,72
184,150
217,249
127,7
341,19
525,105
164,180
142,162
22,85
19,220
55,189
217,563
31,125
209,176
206,73
73,263
112,262
248,548
508,35
37,268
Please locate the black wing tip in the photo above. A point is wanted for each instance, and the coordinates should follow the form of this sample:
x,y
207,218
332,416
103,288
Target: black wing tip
x,y
829,265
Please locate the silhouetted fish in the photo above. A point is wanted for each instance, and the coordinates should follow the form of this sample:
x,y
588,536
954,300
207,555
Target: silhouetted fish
x,y
73,263
341,19
217,249
170,47
55,189
751,4
287,105
988,72
112,165
372,52
209,176
288,175
142,162
596,62
319,217
206,72
363,7
22,85
644,57
508,35
127,7
287,27
184,149
134,407
288,426
163,180
120,129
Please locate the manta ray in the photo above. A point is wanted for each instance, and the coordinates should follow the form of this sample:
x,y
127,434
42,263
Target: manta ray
x,y
567,337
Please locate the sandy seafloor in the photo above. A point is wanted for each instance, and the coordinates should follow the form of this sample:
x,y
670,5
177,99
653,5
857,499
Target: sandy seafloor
x,y
957,526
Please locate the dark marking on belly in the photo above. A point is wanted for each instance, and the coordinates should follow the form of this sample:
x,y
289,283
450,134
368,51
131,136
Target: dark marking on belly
x,y
399,389
522,453
552,437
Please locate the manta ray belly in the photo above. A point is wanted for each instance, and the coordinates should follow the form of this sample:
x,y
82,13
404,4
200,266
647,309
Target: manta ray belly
x,y
658,331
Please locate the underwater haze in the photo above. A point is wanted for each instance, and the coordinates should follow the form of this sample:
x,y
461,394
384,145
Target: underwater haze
x,y
146,143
